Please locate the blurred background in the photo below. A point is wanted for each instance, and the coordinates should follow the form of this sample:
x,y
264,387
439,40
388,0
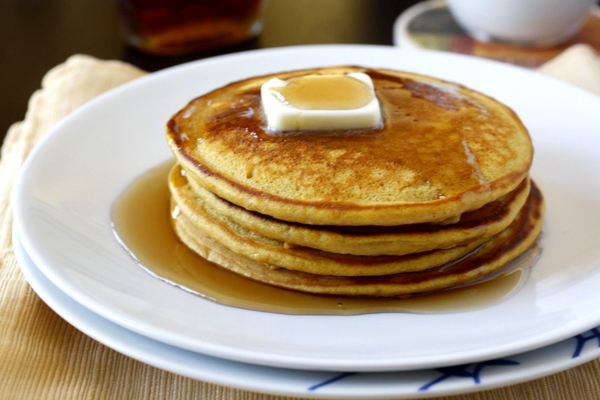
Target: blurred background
x,y
36,35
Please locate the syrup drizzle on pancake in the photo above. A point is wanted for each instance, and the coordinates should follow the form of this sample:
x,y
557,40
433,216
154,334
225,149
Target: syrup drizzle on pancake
x,y
425,151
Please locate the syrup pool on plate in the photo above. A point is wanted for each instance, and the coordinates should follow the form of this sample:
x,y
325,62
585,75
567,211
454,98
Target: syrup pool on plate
x,y
141,219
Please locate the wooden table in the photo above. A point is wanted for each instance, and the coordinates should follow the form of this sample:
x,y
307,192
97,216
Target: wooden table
x,y
37,35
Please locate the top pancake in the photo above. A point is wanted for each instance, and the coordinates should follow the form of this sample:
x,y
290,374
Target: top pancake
x,y
443,150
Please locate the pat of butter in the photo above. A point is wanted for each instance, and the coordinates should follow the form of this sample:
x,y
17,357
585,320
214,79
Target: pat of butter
x,y
321,102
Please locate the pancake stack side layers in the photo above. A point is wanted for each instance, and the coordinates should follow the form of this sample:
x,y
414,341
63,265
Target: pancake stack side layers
x,y
436,195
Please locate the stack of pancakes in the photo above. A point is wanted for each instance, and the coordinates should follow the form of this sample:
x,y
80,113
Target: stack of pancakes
x,y
437,197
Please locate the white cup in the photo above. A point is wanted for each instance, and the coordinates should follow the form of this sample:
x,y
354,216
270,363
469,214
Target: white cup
x,y
536,23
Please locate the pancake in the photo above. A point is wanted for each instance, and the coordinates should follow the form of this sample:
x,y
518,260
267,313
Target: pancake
x,y
359,240
490,257
437,196
205,222
444,150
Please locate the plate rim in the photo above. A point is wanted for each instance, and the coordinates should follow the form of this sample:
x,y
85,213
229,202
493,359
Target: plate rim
x,y
37,258
151,352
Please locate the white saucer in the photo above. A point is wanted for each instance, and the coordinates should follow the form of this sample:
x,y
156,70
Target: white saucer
x,y
312,384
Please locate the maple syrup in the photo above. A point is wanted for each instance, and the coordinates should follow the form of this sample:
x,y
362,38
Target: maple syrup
x,y
172,28
324,92
141,219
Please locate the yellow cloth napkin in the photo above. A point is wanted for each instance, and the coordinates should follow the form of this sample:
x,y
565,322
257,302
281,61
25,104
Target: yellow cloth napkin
x,y
43,357
577,65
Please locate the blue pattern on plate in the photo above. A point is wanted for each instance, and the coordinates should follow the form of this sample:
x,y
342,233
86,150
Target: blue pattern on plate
x,y
585,337
332,380
473,371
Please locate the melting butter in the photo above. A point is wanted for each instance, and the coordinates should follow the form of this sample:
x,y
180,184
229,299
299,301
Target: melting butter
x,y
321,102
324,92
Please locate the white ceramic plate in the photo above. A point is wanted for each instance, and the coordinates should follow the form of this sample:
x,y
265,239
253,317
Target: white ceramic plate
x,y
64,194
318,384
